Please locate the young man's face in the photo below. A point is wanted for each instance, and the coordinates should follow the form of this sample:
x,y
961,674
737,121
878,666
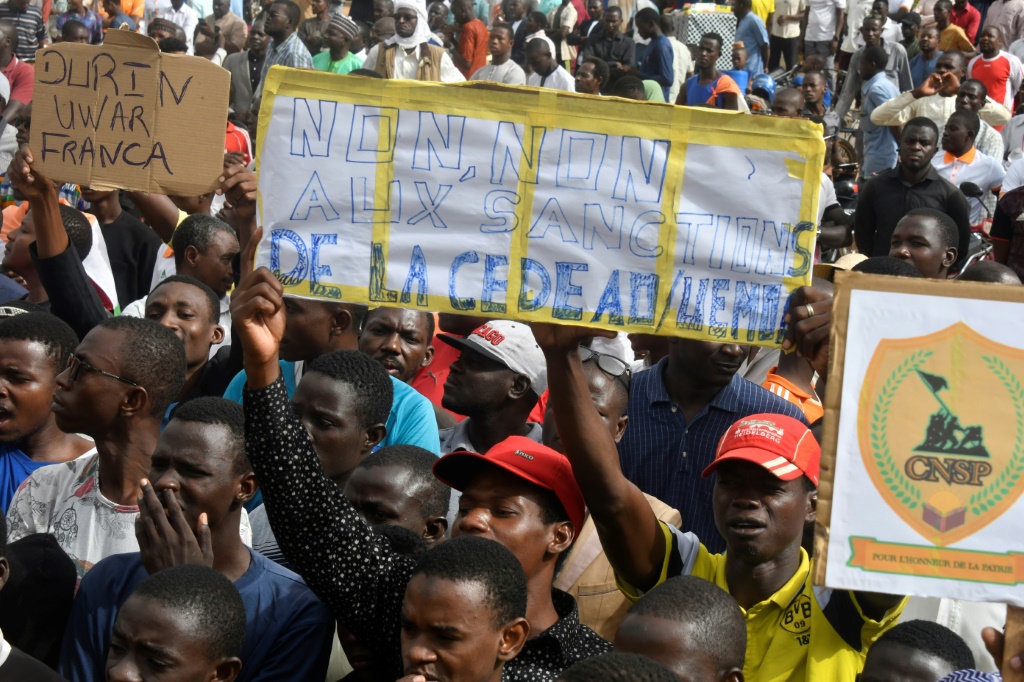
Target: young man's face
x,y
708,363
970,96
154,643
871,32
909,31
917,147
956,136
990,41
449,631
382,30
667,642
941,14
27,385
758,514
92,400
437,16
928,39
185,310
476,383
897,663
382,8
258,39
389,496
813,88
462,11
213,267
500,506
329,409
499,43
880,9
335,39
17,257
708,52
308,328
612,23
918,240
541,62
78,34
397,339
194,462
586,80
595,8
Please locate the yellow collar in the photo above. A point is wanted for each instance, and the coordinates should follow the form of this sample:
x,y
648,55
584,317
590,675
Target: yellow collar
x,y
966,158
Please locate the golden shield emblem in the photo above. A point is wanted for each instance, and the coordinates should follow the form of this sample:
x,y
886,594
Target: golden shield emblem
x,y
941,430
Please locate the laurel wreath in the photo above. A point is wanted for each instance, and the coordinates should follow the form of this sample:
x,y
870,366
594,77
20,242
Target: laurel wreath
x,y
892,474
993,493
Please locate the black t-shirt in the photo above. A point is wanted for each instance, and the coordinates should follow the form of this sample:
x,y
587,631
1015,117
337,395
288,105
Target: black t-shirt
x,y
133,249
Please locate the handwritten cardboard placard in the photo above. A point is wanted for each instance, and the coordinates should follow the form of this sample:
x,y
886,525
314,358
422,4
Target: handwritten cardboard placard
x,y
923,469
536,205
123,115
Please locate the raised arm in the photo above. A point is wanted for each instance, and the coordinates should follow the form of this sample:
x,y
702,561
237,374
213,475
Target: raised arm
x,y
158,211
630,532
352,570
71,294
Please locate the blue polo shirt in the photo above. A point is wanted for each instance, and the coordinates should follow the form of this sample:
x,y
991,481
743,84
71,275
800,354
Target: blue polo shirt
x,y
664,456
288,633
751,31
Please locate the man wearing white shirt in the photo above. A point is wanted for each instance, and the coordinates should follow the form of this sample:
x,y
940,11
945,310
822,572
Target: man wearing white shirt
x,y
962,162
179,13
408,54
547,73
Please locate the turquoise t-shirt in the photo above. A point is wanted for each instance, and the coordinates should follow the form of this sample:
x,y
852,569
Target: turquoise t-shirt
x,y
411,421
322,62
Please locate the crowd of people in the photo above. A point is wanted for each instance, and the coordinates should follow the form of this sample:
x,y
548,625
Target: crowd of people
x,y
207,479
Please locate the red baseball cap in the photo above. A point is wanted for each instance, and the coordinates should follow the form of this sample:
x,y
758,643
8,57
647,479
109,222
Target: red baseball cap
x,y
527,459
782,445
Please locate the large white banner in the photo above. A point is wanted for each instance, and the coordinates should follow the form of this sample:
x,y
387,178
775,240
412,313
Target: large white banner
x,y
532,205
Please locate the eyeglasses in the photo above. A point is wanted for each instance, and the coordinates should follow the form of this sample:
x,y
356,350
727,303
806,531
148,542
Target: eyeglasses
x,y
76,364
609,364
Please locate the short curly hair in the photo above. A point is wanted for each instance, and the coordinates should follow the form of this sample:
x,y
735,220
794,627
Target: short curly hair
x,y
211,295
78,228
152,356
470,559
53,333
367,377
420,463
197,230
209,602
617,667
223,412
931,639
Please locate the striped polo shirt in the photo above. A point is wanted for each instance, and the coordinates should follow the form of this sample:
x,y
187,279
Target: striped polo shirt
x,y
31,29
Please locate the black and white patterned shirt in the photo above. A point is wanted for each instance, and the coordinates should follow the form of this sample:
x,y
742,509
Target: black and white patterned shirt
x,y
352,569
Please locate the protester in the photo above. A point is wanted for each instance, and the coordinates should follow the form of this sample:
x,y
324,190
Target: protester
x,y
366,594
592,76
609,44
689,625
923,63
1008,17
286,48
14,663
27,18
962,162
760,458
396,486
880,150
86,17
246,68
192,615
132,247
709,86
751,31
927,239
658,61
408,54
967,17
545,72
1000,71
311,31
228,24
19,75
34,348
916,650
108,394
189,518
896,67
951,36
337,38
989,271
914,183
181,14
501,68
470,54
464,612
382,30
682,62
910,26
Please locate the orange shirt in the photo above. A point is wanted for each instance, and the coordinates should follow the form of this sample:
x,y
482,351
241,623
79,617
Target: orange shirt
x,y
808,402
473,46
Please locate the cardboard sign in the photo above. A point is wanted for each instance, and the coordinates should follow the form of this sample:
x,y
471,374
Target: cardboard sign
x,y
923,469
535,204
123,115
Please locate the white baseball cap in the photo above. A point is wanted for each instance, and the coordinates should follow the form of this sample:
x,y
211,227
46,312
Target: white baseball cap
x,y
509,343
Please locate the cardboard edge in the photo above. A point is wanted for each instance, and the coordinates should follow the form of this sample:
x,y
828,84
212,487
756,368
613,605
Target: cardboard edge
x,y
130,39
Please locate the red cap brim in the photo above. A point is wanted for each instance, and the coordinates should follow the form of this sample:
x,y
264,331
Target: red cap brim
x,y
782,468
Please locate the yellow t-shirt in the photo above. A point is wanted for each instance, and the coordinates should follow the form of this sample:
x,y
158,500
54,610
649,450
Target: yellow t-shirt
x,y
801,633
762,8
954,38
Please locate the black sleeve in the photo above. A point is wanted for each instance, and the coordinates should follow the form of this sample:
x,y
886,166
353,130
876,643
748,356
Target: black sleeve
x,y
1002,226
352,569
864,221
71,293
960,211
